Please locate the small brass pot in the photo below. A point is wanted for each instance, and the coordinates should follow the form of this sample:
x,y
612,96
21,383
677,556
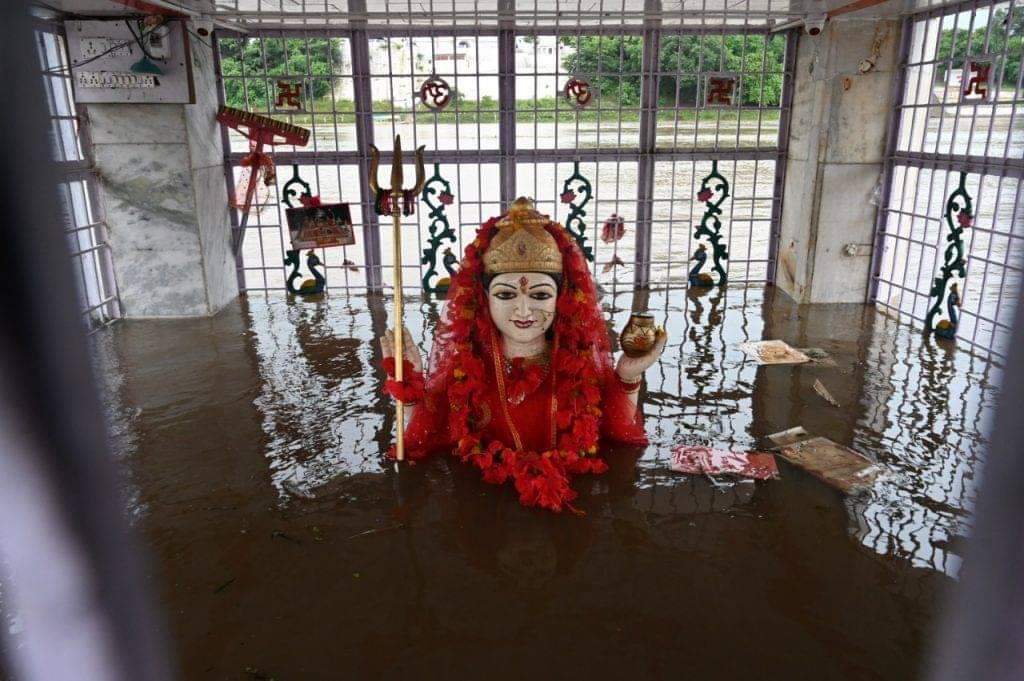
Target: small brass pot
x,y
639,336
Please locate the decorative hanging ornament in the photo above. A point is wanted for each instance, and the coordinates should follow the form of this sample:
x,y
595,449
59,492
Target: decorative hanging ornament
x,y
436,94
720,89
979,79
614,228
578,93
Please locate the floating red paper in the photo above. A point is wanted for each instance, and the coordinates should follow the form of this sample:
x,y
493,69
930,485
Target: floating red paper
x,y
709,461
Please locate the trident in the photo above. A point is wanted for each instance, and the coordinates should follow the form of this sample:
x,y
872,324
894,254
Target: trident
x,y
389,202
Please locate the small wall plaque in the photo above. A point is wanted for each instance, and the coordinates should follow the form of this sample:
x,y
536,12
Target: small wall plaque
x,y
320,226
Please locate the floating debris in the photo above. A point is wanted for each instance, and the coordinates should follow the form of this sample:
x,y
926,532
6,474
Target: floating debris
x,y
839,466
297,490
820,388
709,461
788,437
278,534
376,530
773,352
224,585
256,674
819,356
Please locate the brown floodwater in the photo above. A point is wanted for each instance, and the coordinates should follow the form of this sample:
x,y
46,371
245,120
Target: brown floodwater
x,y
282,545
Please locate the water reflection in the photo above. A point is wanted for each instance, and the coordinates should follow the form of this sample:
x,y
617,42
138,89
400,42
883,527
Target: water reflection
x,y
255,440
913,405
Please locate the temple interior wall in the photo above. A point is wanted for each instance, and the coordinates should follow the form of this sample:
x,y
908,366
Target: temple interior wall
x,y
161,169
834,166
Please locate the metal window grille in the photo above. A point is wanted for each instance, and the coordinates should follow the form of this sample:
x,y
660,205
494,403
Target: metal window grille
x,y
643,143
934,137
84,224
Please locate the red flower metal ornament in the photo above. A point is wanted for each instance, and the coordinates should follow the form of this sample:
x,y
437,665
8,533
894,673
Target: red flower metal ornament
x,y
435,94
704,195
614,228
578,93
447,198
568,196
965,219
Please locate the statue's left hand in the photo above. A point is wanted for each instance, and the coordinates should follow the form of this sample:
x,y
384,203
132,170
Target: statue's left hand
x,y
631,368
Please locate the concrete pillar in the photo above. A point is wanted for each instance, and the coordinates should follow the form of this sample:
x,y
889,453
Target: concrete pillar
x,y
834,163
161,169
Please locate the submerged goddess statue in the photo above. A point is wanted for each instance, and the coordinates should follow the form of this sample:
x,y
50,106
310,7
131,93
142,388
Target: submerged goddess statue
x,y
521,382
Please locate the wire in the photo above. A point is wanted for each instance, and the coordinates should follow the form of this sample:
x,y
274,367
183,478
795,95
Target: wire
x,y
138,39
60,71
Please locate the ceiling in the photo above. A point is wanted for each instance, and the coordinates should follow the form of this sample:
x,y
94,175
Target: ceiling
x,y
533,13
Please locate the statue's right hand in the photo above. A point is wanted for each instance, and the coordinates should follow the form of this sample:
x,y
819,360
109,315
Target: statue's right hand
x,y
410,352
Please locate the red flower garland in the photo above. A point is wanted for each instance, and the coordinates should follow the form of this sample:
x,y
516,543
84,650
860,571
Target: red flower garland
x,y
523,380
463,342
410,389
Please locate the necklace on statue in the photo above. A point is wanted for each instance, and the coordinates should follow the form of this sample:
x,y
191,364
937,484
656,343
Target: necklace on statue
x,y
525,374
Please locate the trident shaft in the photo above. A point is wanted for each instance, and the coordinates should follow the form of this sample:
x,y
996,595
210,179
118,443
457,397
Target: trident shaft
x,y
397,198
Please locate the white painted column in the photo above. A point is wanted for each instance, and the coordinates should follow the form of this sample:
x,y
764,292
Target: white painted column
x,y
161,169
836,150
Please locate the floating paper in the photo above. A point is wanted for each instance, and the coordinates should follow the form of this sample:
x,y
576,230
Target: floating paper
x,y
836,465
788,437
773,352
706,460
820,388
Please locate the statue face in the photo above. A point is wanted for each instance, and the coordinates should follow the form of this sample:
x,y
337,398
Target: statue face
x,y
522,304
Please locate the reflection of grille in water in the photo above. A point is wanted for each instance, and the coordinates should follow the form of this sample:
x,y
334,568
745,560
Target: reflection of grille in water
x,y
509,130
934,136
925,414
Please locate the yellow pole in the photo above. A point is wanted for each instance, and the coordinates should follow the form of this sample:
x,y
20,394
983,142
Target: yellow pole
x,y
396,218
396,193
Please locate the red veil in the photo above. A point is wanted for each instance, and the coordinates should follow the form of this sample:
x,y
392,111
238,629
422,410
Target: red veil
x,y
587,401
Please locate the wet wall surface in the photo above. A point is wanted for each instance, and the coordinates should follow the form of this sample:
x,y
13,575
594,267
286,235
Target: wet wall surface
x,y
283,546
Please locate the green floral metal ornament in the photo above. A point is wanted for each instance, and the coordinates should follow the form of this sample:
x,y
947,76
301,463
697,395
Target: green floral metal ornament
x,y
308,287
714,190
576,193
437,194
959,216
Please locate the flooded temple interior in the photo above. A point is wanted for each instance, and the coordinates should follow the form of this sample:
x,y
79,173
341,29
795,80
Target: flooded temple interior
x,y
282,540
841,177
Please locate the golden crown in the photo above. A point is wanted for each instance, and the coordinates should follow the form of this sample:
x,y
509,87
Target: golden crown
x,y
522,244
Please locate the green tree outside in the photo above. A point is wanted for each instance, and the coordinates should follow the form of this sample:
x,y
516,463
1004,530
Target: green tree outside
x,y
279,57
614,66
1006,33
